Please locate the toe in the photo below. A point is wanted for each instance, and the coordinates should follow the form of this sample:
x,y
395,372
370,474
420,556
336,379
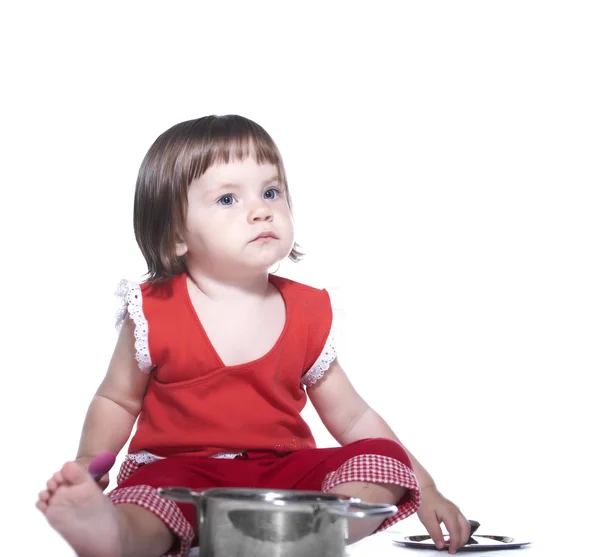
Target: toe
x,y
44,496
73,473
55,482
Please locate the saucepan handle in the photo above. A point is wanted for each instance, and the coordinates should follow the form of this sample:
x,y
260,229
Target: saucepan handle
x,y
365,510
179,494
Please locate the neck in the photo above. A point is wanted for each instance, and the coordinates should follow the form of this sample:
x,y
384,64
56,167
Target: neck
x,y
230,288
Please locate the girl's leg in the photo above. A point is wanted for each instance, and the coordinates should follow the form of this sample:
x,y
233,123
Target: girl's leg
x,y
94,527
144,533
388,494
374,470
138,486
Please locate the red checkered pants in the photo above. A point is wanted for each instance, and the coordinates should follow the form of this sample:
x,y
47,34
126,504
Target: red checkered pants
x,y
369,460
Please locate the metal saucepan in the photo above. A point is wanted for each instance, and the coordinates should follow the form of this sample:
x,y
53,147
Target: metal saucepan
x,y
236,522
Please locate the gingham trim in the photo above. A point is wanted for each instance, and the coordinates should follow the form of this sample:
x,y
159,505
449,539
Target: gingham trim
x,y
374,468
148,498
127,468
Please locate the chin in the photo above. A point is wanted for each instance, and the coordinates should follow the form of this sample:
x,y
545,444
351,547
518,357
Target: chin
x,y
267,262
267,256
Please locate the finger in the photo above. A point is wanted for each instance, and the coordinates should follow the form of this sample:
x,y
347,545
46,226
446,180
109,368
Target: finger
x,y
433,529
465,528
103,482
454,530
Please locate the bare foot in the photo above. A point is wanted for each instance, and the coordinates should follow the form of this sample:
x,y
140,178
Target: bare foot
x,y
76,508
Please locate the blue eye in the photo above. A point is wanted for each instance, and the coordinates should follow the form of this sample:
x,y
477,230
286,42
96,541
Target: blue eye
x,y
226,200
272,193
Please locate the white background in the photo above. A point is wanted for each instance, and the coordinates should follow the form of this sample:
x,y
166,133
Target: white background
x,y
443,163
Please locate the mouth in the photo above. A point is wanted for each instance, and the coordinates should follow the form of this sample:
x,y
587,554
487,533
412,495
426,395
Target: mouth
x,y
265,236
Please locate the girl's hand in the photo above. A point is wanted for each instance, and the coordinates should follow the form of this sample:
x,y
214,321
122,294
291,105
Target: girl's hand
x,y
84,462
435,508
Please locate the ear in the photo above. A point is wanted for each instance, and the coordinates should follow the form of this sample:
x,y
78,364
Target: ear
x,y
180,247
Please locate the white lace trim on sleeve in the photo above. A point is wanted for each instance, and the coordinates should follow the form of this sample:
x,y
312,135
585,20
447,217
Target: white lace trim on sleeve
x,y
130,297
322,364
328,354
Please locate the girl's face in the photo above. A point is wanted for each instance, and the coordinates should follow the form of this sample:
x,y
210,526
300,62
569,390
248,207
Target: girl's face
x,y
238,219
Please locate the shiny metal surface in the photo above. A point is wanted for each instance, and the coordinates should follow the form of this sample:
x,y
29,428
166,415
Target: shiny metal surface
x,y
273,523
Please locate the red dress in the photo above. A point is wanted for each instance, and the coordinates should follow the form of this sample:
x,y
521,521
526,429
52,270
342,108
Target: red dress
x,y
195,405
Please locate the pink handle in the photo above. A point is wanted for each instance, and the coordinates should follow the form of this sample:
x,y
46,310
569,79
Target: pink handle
x,y
101,464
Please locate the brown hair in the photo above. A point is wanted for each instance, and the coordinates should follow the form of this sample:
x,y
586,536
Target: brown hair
x,y
177,157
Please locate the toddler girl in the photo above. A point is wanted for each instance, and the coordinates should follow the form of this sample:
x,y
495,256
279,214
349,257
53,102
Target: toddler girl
x,y
215,358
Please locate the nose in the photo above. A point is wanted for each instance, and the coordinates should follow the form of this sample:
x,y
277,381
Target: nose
x,y
261,211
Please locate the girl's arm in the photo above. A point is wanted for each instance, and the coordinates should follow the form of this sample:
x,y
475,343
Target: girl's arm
x,y
117,402
349,418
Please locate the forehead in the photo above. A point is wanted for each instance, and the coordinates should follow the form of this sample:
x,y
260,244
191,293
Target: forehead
x,y
247,170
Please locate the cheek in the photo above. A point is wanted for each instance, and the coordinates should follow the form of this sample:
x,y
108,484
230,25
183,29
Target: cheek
x,y
201,236
290,223
287,226
284,214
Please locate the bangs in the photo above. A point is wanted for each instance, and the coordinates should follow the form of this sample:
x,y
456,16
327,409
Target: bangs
x,y
229,139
